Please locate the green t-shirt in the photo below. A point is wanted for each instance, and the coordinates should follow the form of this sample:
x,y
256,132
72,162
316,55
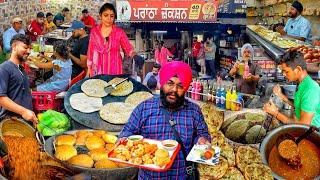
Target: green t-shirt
x,y
307,99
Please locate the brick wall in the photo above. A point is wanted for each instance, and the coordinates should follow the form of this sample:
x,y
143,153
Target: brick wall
x,y
27,9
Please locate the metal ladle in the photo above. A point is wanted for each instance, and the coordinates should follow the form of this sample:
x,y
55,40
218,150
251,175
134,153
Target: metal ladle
x,y
288,136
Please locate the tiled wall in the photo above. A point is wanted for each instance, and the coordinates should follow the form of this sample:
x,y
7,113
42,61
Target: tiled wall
x,y
27,9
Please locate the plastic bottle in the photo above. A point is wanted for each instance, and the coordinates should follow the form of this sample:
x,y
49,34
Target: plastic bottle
x,y
239,102
197,90
213,93
193,90
228,99
222,98
234,98
246,70
218,94
193,84
205,91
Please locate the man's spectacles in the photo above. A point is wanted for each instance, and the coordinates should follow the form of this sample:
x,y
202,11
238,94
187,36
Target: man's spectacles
x,y
19,22
171,85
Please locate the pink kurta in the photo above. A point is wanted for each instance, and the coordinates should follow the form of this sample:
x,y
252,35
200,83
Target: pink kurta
x,y
104,56
162,56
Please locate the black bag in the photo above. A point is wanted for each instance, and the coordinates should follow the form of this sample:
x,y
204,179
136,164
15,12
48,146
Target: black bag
x,y
191,169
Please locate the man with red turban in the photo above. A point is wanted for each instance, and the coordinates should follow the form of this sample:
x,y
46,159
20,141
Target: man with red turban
x,y
161,117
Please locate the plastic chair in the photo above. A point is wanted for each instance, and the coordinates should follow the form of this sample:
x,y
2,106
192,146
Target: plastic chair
x,y
81,76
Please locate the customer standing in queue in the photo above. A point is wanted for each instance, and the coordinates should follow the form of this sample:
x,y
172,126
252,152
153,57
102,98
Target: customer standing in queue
x,y
246,83
306,101
297,26
105,42
151,118
15,93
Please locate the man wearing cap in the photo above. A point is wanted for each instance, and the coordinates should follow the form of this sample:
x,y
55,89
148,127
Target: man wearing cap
x,y
60,17
36,27
79,52
88,20
157,117
297,26
16,28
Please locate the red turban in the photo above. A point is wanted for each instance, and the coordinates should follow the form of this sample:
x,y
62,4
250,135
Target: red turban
x,y
176,68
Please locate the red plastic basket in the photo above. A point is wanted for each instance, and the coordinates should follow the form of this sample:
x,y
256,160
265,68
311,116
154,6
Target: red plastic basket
x,y
45,100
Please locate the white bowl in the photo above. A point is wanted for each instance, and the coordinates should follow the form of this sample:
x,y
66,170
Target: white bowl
x,y
135,138
169,144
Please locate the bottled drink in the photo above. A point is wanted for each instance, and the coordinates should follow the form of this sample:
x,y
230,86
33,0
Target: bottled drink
x,y
246,70
234,98
198,90
213,93
193,90
218,93
222,98
228,99
205,91
239,102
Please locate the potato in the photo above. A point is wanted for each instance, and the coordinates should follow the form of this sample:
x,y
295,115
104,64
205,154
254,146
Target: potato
x,y
316,55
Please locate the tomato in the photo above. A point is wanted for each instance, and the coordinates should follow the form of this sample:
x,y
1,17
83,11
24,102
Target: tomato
x,y
208,154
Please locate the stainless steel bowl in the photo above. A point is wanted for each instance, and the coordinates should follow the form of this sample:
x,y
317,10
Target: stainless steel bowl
x,y
294,129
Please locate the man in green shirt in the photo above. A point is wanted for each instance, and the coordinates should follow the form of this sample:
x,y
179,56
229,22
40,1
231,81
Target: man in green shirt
x,y
306,99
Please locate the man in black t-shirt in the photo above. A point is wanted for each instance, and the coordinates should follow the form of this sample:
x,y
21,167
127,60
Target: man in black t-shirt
x,y
78,54
15,93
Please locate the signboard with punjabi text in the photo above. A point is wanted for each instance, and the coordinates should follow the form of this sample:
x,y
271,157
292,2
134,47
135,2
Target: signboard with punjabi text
x,y
166,11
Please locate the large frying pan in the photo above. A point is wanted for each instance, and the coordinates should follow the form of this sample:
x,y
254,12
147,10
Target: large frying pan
x,y
93,120
125,173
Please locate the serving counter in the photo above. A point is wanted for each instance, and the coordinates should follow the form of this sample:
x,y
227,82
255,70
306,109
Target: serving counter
x,y
274,52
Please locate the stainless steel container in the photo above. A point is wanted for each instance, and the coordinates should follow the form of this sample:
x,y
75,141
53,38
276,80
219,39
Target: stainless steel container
x,y
270,140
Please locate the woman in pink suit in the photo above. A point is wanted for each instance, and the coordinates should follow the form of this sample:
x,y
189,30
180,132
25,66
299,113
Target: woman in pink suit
x,y
105,42
162,54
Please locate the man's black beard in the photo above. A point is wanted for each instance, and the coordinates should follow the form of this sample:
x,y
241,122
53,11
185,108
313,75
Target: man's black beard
x,y
169,105
21,58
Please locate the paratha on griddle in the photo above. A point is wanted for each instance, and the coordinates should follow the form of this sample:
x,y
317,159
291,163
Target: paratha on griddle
x,y
136,98
84,103
94,87
116,112
122,89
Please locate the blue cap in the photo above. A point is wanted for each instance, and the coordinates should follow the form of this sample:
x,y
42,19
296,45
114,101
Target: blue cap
x,y
76,25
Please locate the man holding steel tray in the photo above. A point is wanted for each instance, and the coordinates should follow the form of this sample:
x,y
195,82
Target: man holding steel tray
x,y
170,116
